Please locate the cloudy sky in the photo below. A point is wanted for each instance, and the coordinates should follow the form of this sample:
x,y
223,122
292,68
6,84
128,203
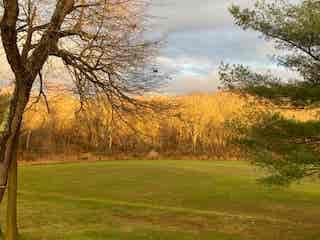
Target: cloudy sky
x,y
200,35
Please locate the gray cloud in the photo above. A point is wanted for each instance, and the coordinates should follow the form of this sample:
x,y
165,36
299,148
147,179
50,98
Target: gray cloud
x,y
200,35
182,15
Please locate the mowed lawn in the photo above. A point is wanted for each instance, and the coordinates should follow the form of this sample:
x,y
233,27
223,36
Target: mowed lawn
x,y
180,200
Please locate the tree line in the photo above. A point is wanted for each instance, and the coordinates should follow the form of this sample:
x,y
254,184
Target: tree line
x,y
200,125
194,126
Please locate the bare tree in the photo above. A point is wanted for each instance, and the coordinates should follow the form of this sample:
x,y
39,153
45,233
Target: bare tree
x,y
101,43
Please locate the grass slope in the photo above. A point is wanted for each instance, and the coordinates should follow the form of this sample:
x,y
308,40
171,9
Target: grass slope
x,y
182,200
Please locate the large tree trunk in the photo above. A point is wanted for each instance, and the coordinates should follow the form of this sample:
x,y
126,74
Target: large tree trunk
x,y
12,227
9,135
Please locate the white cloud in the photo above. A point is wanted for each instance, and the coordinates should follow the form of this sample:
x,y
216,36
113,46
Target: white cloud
x,y
190,84
200,35
183,64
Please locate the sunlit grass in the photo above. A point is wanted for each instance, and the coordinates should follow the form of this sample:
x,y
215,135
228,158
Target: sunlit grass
x,y
162,200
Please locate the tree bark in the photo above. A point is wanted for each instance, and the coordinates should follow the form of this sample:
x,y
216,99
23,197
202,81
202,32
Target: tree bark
x,y
28,139
1,234
10,132
11,224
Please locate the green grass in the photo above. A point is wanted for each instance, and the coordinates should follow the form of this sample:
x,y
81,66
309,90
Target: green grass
x,y
165,200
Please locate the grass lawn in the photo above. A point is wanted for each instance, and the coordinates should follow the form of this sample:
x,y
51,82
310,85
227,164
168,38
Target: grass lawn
x,y
165,200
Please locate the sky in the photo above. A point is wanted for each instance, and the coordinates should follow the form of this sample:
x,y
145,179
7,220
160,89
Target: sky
x,y
199,35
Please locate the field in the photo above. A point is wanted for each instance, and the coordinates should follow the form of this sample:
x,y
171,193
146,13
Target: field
x,y
165,200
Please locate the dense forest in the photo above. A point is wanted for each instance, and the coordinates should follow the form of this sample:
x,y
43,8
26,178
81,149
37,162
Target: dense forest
x,y
201,125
